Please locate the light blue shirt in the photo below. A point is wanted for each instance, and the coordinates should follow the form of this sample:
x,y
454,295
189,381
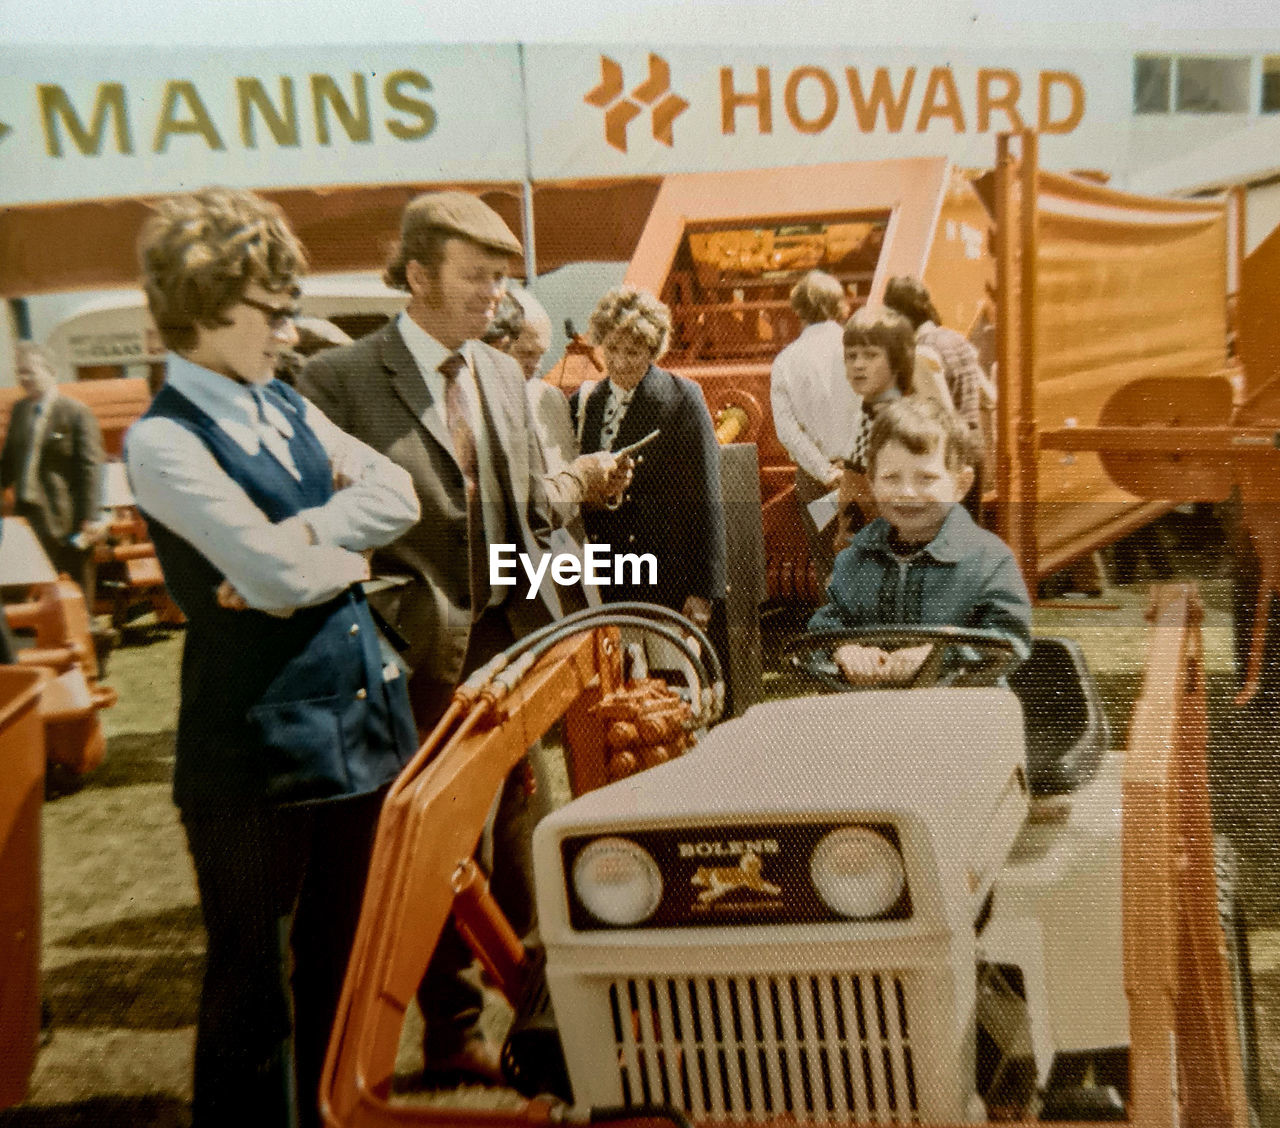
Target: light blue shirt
x,y
305,560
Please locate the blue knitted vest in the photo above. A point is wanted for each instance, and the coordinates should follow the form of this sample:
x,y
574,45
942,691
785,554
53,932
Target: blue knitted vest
x,y
275,709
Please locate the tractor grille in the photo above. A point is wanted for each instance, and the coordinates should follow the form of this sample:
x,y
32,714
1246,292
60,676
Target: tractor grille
x,y
828,1047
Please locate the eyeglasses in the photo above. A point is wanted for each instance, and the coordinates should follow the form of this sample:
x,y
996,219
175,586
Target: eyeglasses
x,y
277,316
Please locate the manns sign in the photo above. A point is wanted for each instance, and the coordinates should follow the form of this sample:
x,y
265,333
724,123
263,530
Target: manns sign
x,y
93,124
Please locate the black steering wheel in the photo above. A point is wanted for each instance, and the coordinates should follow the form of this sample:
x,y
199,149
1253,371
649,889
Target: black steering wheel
x,y
960,656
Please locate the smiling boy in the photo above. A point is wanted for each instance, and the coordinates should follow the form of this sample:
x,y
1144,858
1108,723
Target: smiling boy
x,y
923,560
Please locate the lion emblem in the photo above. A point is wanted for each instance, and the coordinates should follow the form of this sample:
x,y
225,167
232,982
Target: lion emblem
x,y
716,881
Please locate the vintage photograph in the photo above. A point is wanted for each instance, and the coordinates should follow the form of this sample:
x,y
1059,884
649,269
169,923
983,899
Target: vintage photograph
x,y
700,567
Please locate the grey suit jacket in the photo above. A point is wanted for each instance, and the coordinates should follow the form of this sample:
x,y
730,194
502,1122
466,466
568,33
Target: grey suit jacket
x,y
373,390
67,480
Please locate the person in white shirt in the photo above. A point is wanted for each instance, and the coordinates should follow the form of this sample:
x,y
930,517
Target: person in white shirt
x,y
815,412
521,328
293,718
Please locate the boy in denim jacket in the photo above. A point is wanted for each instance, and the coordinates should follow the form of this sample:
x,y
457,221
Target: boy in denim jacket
x,y
923,560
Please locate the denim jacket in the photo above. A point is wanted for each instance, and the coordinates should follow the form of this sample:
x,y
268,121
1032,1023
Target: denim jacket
x,y
964,577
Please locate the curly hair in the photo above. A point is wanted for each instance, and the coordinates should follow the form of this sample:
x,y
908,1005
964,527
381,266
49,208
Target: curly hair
x,y
885,329
636,311
817,297
199,253
920,425
508,321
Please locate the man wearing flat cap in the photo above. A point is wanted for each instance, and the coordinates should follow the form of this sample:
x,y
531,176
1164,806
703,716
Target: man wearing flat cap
x,y
453,412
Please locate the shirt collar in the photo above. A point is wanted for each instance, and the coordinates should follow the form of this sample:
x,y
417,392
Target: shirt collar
x,y
231,404
952,543
821,329
425,349
891,393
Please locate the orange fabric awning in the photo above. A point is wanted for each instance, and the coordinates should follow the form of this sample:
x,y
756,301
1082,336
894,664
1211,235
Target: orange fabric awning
x,y
90,244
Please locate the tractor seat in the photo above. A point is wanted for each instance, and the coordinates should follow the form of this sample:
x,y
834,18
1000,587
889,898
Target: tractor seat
x,y
1066,728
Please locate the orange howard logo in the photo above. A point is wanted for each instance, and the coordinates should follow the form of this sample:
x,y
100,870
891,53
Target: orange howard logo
x,y
866,100
620,112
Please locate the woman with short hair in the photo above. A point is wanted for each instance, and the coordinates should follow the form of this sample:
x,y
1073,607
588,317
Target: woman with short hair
x,y
293,718
673,508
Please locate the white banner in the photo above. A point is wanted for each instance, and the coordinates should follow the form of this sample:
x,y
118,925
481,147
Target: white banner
x,y
80,124
92,124
619,110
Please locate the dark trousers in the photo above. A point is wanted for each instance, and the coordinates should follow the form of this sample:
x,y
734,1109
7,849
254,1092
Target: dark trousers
x,y
451,1004
75,562
280,891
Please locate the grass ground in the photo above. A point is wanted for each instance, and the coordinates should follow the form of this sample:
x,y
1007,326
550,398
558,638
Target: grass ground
x,y
122,935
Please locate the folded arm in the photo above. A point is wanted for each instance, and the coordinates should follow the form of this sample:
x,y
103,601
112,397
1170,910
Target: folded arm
x,y
373,501
274,567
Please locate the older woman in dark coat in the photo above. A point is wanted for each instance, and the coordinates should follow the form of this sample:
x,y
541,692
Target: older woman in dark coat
x,y
673,510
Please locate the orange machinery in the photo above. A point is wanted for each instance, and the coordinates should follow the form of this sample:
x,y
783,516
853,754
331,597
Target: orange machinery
x,y
1087,291
51,612
71,700
1185,1048
21,797
1116,395
723,251
40,719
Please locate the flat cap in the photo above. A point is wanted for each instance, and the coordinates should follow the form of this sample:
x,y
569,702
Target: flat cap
x,y
463,214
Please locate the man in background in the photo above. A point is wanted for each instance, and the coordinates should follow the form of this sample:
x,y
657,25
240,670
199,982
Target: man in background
x,y
52,457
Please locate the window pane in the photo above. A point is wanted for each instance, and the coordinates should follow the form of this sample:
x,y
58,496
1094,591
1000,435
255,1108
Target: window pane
x,y
1213,86
1150,85
1271,84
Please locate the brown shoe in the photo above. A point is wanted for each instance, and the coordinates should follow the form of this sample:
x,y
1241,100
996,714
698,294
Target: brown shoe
x,y
476,1061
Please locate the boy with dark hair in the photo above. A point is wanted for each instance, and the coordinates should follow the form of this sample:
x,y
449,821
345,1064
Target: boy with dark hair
x,y
923,560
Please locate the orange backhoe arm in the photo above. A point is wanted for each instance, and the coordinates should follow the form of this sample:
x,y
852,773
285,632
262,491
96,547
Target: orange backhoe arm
x,y
430,825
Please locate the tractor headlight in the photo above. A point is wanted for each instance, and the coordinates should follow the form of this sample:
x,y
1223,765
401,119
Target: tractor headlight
x,y
857,872
617,881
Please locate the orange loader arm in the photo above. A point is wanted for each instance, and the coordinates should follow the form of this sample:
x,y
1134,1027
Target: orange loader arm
x,y
442,797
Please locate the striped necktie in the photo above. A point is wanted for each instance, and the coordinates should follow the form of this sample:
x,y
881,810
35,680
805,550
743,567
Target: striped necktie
x,y
861,442
464,450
